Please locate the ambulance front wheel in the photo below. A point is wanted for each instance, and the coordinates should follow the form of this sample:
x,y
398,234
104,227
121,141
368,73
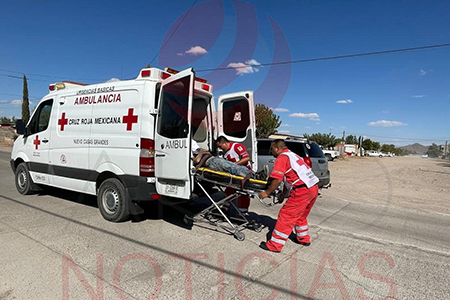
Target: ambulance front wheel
x,y
23,180
112,200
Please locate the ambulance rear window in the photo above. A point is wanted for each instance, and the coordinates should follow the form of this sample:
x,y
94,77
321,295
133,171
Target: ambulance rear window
x,y
236,118
174,109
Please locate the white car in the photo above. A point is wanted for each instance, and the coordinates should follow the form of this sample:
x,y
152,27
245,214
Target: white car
x,y
374,153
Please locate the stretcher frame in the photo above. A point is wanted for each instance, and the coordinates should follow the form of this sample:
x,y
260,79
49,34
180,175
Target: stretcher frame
x,y
213,214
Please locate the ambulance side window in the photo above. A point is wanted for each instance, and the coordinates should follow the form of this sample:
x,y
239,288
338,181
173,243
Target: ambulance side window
x,y
173,109
41,118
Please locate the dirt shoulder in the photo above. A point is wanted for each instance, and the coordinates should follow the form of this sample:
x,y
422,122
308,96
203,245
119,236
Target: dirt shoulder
x,y
5,148
411,182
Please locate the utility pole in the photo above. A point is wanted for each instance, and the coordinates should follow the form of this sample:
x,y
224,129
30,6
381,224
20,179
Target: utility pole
x,y
360,145
445,149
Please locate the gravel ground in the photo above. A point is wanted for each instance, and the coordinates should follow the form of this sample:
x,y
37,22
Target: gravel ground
x,y
411,182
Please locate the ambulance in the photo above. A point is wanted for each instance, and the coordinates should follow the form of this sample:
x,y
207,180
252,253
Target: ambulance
x,y
128,141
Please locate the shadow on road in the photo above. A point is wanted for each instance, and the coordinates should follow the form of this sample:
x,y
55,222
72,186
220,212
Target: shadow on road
x,y
170,210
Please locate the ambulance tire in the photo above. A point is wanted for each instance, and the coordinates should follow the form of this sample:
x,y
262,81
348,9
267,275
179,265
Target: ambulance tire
x,y
23,181
112,200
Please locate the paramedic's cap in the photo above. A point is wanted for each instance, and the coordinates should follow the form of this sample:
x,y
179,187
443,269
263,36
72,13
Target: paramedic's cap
x,y
195,147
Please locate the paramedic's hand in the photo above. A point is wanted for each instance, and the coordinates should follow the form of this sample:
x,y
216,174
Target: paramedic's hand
x,y
273,186
263,195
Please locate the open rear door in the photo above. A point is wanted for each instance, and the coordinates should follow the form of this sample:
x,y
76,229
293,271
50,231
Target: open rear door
x,y
236,121
172,137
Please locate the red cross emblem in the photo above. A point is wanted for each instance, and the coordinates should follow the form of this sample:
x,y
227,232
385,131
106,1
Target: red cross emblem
x,y
63,121
37,142
130,119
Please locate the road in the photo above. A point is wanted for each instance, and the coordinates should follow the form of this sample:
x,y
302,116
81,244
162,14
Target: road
x,y
56,245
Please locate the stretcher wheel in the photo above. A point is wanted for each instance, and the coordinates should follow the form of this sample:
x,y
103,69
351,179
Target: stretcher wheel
x,y
188,221
258,228
239,236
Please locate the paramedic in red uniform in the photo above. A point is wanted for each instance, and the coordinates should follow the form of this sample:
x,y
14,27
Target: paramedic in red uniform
x,y
299,177
236,153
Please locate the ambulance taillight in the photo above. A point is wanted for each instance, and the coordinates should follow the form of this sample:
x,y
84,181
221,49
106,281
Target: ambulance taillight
x,y
147,158
205,87
165,75
52,87
145,73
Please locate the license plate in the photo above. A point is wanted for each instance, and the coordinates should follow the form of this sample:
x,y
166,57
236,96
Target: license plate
x,y
172,189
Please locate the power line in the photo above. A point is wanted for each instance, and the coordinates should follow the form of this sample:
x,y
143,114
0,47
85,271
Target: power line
x,y
193,4
21,78
46,76
245,65
330,57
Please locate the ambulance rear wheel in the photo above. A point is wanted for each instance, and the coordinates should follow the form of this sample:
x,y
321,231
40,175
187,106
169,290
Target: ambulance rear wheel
x,y
23,180
112,200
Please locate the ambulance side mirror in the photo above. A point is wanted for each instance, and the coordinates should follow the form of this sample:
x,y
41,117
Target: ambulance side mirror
x,y
20,126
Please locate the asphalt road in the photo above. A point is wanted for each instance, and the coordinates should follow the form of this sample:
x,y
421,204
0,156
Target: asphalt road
x,y
56,245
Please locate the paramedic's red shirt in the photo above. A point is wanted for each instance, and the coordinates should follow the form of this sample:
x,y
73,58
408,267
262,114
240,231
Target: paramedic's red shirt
x,y
282,164
239,151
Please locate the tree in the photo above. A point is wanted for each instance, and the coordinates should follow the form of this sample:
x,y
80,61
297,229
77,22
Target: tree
x,y
367,144
25,101
266,121
434,151
351,139
376,146
388,148
325,139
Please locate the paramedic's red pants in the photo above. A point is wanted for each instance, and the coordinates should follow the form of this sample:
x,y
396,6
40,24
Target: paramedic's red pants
x,y
293,214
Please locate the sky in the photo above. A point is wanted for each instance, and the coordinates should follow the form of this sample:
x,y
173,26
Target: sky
x,y
398,98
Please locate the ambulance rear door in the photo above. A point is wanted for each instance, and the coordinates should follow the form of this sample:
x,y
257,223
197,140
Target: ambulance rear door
x,y
173,161
236,121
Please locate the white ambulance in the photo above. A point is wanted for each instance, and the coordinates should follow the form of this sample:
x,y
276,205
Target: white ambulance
x,y
127,141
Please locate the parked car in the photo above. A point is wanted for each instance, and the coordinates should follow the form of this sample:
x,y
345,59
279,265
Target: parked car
x,y
374,153
330,154
310,152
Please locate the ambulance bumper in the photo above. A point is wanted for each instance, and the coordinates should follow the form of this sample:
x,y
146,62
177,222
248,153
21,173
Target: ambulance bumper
x,y
138,188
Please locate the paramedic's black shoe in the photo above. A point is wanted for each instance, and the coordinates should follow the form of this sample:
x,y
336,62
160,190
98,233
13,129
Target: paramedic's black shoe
x,y
264,247
300,243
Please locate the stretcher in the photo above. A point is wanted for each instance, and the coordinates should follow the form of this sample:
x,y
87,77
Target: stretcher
x,y
214,215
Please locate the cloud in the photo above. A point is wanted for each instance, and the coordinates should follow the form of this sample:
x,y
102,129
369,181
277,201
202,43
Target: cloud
x,y
385,111
344,101
384,123
311,116
285,125
245,68
113,80
4,101
284,131
16,102
196,50
279,109
419,96
422,72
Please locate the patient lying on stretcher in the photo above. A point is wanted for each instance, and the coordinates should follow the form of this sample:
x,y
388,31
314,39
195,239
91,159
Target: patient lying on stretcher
x,y
203,158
